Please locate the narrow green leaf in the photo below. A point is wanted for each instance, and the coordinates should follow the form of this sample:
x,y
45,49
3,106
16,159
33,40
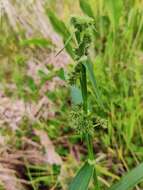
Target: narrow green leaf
x,y
76,95
86,8
114,8
92,78
130,180
82,179
36,42
58,25
69,47
31,84
61,74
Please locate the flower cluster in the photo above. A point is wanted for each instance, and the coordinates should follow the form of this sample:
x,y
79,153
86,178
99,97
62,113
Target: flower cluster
x,y
83,35
81,122
85,123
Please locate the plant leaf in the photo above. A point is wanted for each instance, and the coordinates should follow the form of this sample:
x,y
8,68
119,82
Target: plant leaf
x,y
61,74
31,84
130,179
82,179
36,42
86,8
58,25
68,47
90,70
114,8
76,95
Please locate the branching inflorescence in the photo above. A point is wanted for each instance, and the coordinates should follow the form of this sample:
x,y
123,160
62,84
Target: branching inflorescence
x,y
80,116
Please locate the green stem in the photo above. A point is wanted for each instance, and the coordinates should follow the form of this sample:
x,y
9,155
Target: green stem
x,y
89,147
83,82
95,180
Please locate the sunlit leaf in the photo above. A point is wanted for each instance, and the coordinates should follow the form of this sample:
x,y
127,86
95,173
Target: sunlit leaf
x,y
114,8
36,42
31,84
60,27
61,74
86,8
129,180
82,179
92,78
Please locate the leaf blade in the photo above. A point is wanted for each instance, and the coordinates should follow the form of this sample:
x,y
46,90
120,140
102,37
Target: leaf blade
x,y
36,42
86,8
114,9
130,179
82,179
60,27
90,70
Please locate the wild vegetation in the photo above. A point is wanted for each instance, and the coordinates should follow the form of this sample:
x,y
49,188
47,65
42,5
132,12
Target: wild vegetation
x,y
71,95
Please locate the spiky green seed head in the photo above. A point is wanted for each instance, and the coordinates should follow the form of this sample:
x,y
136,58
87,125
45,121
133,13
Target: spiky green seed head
x,y
81,23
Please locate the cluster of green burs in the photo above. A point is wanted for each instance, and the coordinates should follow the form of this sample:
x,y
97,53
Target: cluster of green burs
x,y
82,122
83,30
85,123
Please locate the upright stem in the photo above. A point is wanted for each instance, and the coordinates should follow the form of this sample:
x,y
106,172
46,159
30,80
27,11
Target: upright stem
x,y
83,82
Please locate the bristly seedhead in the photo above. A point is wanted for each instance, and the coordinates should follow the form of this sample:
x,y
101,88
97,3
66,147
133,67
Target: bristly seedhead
x,y
81,23
84,27
83,33
80,121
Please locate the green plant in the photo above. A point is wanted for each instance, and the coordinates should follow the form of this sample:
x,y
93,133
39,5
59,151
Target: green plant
x,y
82,122
83,34
84,28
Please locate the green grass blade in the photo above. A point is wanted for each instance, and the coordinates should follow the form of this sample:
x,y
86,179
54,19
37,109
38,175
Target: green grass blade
x,y
40,42
129,180
58,25
92,78
86,8
114,8
69,48
82,179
